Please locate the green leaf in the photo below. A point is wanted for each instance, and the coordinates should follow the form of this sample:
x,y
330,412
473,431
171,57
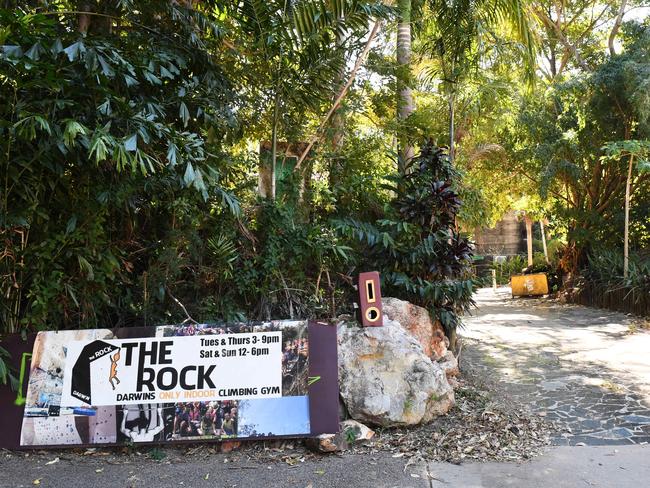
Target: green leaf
x,y
172,153
72,130
151,78
74,51
103,197
184,114
34,52
57,47
131,144
165,73
106,68
105,108
86,267
643,166
12,52
72,225
43,124
73,295
130,80
199,184
98,147
188,178
27,127
144,134
121,157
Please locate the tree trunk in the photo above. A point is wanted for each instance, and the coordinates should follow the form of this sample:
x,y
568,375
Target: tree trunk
x,y
541,226
617,25
529,239
453,341
404,97
452,135
84,19
338,120
360,60
274,145
626,234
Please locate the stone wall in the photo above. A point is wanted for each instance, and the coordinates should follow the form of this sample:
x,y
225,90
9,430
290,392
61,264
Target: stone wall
x,y
508,237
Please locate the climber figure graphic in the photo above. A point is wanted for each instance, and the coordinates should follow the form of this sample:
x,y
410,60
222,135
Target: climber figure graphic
x,y
113,376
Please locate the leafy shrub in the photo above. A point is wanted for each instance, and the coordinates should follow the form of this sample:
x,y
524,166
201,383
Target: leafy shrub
x,y
602,283
606,270
111,158
420,254
118,201
513,265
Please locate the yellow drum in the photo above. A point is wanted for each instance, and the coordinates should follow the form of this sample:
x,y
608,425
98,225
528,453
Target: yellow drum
x,y
529,285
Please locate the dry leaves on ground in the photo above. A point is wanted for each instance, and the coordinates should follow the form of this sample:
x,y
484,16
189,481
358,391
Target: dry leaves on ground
x,y
477,428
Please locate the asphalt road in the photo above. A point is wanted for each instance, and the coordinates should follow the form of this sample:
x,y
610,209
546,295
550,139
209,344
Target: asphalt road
x,y
601,466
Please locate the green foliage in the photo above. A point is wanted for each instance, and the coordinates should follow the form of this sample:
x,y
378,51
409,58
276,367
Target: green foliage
x,y
415,246
575,142
128,181
603,283
8,374
465,34
157,454
103,145
121,159
291,57
605,270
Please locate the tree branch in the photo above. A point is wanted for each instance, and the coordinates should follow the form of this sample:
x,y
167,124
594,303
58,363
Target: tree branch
x,y
360,60
616,27
178,302
562,38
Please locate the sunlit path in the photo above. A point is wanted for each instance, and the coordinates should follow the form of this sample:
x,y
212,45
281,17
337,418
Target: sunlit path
x,y
586,369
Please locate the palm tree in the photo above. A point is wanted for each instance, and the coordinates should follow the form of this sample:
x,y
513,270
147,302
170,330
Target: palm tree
x,y
295,54
461,34
405,105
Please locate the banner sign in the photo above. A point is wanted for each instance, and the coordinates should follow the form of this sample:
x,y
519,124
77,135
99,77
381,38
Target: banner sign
x,y
175,383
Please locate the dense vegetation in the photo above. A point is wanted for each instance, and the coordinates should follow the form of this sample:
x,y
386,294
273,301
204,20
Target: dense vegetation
x,y
130,189
214,160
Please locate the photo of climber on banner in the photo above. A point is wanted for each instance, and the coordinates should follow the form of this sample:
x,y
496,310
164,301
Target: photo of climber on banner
x,y
168,383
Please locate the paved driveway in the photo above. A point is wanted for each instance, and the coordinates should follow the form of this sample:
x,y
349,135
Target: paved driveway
x,y
587,369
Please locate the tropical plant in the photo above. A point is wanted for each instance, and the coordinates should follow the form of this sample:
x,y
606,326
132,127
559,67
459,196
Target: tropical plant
x,y
465,37
101,137
634,151
603,283
292,57
559,142
418,250
405,102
